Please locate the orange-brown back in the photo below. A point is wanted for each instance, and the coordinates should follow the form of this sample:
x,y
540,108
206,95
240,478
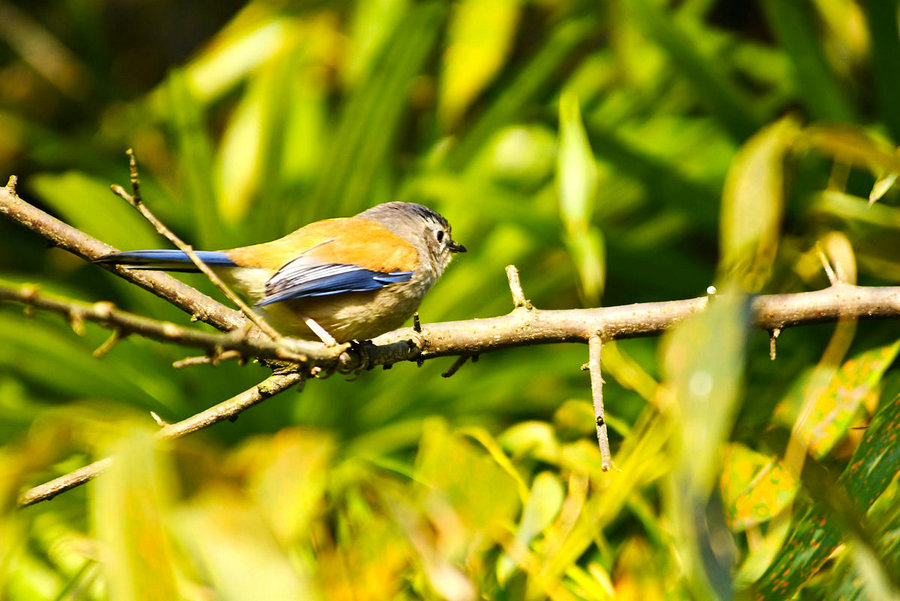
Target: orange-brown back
x,y
348,240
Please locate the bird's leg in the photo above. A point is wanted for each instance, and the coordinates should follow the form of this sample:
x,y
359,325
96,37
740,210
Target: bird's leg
x,y
319,331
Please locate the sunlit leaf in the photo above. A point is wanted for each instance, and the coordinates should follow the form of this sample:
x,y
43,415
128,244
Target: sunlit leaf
x,y
754,487
238,160
633,577
834,409
881,186
288,475
233,546
370,28
475,475
250,41
480,34
852,145
752,205
129,507
542,507
375,546
531,439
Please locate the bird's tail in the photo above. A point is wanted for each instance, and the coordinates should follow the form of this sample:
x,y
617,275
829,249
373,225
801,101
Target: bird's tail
x,y
166,260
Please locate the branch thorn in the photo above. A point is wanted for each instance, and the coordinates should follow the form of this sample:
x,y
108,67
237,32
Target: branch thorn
x,y
159,421
774,333
826,264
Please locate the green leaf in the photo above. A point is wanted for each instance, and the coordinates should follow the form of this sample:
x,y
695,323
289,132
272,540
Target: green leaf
x,y
588,250
186,117
816,533
822,92
714,88
755,487
238,156
372,24
752,205
370,117
529,82
884,59
531,439
577,170
87,203
833,411
475,476
62,361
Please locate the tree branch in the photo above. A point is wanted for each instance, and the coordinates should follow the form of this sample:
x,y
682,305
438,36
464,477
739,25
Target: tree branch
x,y
524,326
135,200
195,303
271,386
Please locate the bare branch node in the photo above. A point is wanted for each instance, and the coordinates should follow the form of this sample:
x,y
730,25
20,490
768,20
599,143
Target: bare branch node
x,y
515,287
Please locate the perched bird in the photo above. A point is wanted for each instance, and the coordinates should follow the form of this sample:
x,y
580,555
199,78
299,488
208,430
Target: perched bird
x,y
357,277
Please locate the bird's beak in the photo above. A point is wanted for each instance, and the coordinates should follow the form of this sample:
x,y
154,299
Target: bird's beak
x,y
456,247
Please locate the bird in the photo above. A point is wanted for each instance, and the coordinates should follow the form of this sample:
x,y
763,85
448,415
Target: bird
x,y
356,277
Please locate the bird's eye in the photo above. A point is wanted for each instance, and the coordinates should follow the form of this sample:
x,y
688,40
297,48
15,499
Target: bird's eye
x,y
440,235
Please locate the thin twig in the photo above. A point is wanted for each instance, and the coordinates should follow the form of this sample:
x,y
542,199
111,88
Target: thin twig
x,y
135,200
515,287
460,361
209,359
108,344
595,346
225,410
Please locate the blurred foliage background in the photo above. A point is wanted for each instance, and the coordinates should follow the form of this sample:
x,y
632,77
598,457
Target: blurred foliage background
x,y
617,151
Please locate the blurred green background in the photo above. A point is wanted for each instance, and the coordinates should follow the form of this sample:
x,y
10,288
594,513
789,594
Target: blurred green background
x,y
591,143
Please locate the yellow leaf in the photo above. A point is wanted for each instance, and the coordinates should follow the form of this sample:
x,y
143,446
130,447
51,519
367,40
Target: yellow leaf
x,y
752,205
479,37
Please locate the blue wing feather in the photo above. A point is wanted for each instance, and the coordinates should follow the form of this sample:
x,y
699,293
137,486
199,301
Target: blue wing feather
x,y
300,279
168,260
